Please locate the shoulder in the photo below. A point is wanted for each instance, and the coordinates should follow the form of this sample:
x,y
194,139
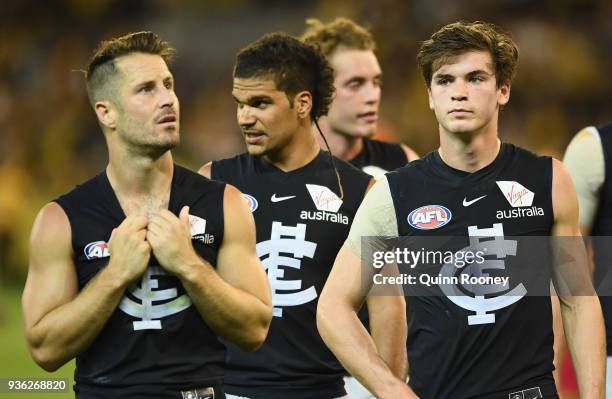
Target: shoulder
x,y
190,179
222,168
51,231
88,190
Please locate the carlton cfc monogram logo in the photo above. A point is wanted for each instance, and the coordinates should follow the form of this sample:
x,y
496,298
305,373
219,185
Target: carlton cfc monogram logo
x,y
151,308
286,240
490,241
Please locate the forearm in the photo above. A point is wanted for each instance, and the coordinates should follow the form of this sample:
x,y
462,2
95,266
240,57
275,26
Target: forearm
x,y
232,313
69,329
344,334
389,333
584,331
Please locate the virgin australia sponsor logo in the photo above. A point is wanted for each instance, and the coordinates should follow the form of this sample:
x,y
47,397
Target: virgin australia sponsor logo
x,y
515,193
521,200
198,230
324,216
519,213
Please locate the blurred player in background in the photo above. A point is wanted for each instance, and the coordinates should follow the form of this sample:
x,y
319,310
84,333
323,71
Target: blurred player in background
x,y
589,160
473,187
303,201
138,271
353,115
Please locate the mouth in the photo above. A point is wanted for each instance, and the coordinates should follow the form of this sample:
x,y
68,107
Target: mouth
x,y
460,112
253,137
369,117
168,118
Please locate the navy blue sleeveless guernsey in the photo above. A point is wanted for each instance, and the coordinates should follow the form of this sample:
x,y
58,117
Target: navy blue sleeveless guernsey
x,y
601,232
380,155
155,343
301,225
461,345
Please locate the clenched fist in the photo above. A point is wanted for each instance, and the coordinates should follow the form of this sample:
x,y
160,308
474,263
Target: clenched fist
x,y
170,239
129,249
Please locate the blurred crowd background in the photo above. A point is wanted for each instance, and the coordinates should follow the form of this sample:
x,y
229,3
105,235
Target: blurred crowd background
x,y
50,140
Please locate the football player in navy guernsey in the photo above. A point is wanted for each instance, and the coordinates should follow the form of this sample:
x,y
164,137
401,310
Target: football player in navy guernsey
x,y
353,115
139,271
472,187
588,158
303,202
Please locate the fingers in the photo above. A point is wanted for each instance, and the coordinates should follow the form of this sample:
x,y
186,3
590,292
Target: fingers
x,y
134,223
184,215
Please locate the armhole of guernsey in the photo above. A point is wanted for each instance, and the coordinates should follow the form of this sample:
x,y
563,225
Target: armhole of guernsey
x,y
374,218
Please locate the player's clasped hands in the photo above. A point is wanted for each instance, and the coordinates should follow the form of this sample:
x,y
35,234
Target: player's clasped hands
x,y
129,249
170,239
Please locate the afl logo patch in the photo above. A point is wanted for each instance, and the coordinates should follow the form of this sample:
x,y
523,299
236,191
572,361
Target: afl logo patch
x,y
96,250
251,202
429,217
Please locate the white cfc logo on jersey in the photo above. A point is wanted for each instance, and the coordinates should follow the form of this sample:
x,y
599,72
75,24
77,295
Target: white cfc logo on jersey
x,y
498,246
286,240
148,312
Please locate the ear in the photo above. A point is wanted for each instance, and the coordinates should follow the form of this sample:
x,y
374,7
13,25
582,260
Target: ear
x,y
503,94
303,104
106,113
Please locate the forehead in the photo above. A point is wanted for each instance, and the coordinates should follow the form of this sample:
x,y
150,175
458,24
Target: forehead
x,y
354,62
140,67
250,87
467,62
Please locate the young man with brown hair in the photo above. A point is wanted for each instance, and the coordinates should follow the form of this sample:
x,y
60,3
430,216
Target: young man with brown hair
x,y
472,188
138,271
353,115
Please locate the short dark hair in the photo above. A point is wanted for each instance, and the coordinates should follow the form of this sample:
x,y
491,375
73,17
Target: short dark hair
x,y
294,66
101,66
460,37
341,32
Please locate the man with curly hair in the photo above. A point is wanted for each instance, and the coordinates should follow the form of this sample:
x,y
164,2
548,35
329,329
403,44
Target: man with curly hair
x,y
303,201
353,115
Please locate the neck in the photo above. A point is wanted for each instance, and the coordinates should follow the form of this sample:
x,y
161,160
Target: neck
x,y
301,149
469,152
133,176
342,145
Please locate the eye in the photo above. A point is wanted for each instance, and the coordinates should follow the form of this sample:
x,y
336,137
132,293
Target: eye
x,y
442,81
168,85
477,79
260,104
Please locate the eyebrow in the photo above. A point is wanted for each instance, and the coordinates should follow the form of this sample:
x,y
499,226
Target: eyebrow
x,y
471,73
362,78
252,99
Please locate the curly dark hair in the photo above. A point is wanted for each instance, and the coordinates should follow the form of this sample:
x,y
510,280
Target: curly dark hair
x,y
294,66
101,66
459,37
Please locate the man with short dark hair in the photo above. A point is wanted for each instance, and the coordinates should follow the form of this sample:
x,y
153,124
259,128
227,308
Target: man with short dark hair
x,y
303,201
138,271
479,341
353,115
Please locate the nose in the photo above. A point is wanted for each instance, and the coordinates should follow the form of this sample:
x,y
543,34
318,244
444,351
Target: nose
x,y
245,117
372,93
168,98
459,92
